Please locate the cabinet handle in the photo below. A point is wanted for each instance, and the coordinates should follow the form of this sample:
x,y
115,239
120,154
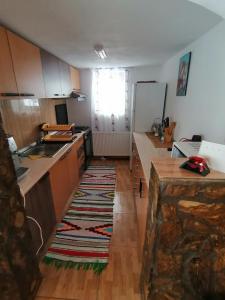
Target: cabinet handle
x,y
69,151
56,94
140,188
65,155
27,95
9,94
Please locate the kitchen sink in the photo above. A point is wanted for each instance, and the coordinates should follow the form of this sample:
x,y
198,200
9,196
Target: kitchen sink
x,y
48,150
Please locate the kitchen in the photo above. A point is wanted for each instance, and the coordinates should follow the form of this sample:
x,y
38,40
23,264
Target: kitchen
x,y
37,76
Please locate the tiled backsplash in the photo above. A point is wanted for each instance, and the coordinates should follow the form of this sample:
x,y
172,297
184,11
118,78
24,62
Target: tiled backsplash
x,y
21,117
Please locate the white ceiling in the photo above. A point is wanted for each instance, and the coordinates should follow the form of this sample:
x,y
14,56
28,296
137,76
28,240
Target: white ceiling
x,y
133,32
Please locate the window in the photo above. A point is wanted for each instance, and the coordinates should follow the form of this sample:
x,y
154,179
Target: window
x,y
109,100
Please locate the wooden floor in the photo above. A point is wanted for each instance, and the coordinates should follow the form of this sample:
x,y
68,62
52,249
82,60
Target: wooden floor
x,y
120,280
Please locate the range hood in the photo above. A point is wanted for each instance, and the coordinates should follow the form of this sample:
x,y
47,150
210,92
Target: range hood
x,y
78,95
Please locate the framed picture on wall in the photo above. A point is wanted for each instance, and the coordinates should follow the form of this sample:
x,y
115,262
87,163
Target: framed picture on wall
x,y
184,67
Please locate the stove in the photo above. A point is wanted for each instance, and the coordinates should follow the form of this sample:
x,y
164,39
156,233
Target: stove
x,y
88,145
79,129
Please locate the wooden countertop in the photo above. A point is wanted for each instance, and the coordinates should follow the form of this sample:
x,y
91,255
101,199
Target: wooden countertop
x,y
156,141
168,168
147,152
39,167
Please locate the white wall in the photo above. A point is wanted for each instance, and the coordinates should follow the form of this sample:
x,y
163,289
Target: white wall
x,y
147,73
202,110
80,112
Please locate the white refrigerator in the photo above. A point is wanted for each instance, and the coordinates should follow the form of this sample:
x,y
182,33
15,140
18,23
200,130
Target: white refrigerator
x,y
148,104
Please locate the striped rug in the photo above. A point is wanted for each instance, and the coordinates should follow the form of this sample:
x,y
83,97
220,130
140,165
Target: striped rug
x,y
83,236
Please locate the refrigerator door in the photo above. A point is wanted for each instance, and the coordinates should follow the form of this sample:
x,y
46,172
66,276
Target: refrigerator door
x,y
148,105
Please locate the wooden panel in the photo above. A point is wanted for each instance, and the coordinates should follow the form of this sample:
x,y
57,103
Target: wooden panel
x,y
27,66
50,65
140,195
39,205
73,169
60,184
21,118
7,76
66,85
80,156
75,78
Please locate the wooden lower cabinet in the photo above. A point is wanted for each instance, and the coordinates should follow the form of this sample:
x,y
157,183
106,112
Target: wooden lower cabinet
x,y
81,156
140,192
73,170
40,212
64,177
60,184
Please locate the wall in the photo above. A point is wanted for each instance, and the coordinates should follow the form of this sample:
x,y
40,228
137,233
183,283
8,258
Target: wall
x,y
21,117
202,111
146,73
80,112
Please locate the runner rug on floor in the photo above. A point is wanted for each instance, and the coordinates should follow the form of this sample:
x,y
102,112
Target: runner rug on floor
x,y
83,236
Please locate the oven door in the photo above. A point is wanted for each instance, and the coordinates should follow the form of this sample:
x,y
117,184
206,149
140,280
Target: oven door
x,y
88,148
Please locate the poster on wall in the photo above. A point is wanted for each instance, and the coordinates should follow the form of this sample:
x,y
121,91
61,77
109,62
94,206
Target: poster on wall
x,y
184,67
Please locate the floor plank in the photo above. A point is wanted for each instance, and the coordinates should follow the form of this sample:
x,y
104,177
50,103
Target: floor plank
x,y
123,203
68,283
125,230
120,280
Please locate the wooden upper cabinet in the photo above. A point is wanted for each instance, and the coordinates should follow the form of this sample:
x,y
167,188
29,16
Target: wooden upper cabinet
x,y
27,66
75,78
7,75
65,79
50,65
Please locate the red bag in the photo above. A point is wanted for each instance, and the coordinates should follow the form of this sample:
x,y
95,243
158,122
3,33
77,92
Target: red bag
x,y
196,164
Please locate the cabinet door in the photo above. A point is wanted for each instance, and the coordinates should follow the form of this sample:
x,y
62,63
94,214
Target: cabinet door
x,y
50,65
66,86
75,78
80,156
7,76
73,168
27,66
39,208
60,184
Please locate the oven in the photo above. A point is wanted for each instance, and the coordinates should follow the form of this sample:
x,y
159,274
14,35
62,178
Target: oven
x,y
88,144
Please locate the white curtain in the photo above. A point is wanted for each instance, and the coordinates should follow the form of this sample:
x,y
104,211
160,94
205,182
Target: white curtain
x,y
110,105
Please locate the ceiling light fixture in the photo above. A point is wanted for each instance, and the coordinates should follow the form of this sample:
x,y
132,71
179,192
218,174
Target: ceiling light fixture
x,y
99,50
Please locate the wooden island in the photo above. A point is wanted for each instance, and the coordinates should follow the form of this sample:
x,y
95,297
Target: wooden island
x,y
184,250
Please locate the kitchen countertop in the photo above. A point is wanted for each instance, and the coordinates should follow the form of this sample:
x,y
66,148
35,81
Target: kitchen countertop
x,y
39,167
156,141
169,168
147,152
